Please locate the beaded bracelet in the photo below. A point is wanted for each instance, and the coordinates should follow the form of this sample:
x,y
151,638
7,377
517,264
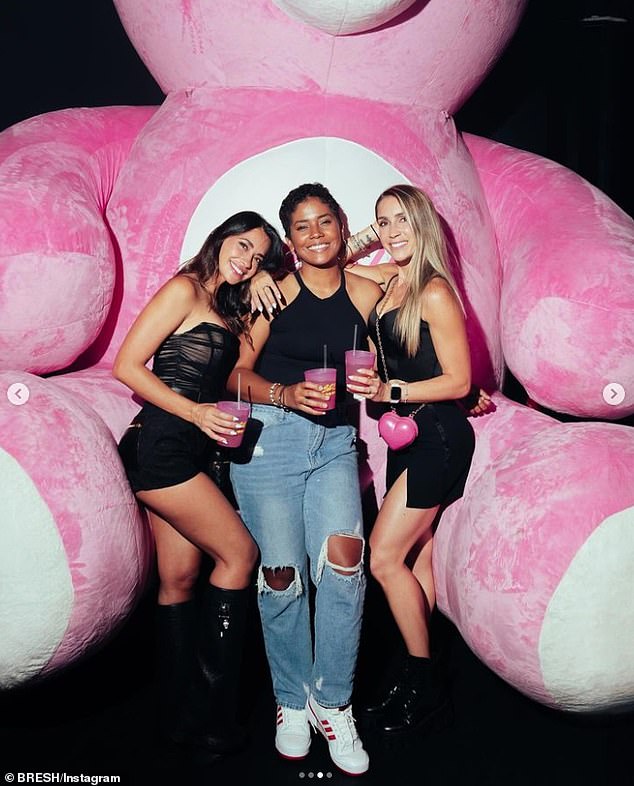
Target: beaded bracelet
x,y
281,398
272,390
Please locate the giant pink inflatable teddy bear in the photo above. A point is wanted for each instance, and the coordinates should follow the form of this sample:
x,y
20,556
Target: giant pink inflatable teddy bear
x,y
97,207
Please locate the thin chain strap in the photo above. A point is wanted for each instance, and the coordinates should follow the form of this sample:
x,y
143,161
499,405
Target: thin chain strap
x,y
382,354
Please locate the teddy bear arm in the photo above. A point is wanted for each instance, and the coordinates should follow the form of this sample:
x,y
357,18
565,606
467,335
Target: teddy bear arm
x,y
567,295
57,172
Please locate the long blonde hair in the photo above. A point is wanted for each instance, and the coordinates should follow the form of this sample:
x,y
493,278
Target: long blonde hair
x,y
430,259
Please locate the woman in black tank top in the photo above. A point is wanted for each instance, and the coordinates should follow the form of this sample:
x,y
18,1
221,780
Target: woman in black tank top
x,y
299,493
192,328
433,470
418,330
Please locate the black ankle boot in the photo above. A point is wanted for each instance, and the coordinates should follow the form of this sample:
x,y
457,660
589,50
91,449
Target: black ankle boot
x,y
421,702
371,715
175,647
221,630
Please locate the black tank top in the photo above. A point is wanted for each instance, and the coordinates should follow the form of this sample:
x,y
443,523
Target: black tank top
x,y
197,363
299,332
424,364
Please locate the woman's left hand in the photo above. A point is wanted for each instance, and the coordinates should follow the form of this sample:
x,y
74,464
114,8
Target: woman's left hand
x,y
366,383
477,402
265,294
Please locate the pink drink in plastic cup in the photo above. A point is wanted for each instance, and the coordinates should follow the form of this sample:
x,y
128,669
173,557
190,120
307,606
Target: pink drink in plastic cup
x,y
326,377
356,359
240,410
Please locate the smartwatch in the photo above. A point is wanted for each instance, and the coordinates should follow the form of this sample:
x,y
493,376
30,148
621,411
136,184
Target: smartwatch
x,y
396,393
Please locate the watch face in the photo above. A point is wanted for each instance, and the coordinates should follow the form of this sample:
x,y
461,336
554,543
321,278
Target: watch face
x,y
395,393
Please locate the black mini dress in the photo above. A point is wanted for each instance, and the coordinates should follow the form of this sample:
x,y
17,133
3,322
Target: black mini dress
x,y
438,460
159,449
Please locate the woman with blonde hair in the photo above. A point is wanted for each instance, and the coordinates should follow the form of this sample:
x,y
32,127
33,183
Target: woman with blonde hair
x,y
418,331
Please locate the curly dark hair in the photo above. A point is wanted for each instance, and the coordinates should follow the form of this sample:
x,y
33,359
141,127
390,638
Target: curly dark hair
x,y
301,194
232,302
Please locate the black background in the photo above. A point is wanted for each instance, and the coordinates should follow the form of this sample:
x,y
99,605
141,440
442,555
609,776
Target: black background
x,y
561,90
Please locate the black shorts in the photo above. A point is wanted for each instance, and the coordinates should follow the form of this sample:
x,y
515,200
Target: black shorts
x,y
160,450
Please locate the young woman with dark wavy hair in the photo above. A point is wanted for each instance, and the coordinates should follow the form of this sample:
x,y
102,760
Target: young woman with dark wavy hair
x,y
192,328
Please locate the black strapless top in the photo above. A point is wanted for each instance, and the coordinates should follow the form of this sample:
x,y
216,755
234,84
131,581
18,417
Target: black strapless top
x,y
197,363
424,365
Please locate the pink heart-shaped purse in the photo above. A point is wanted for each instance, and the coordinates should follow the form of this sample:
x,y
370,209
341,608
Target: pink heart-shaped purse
x,y
397,431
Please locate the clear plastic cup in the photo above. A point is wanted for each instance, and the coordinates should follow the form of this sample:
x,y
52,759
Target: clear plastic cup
x,y
326,377
240,410
356,359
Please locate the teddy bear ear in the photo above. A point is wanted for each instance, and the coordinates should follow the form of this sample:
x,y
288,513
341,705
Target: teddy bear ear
x,y
340,18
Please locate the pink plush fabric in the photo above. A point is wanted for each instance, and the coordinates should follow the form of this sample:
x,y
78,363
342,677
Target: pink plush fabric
x,y
256,44
97,208
567,281
521,561
56,177
83,581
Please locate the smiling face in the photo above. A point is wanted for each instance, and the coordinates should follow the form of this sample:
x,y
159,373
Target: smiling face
x,y
240,255
395,231
315,233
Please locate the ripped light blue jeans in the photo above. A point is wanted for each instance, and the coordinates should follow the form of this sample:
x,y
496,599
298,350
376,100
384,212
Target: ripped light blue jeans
x,y
300,487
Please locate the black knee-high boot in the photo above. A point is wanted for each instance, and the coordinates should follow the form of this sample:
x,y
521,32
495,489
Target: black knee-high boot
x,y
175,646
216,682
421,700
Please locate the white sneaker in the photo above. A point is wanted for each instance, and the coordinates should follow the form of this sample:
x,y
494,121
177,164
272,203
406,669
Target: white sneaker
x,y
292,738
337,726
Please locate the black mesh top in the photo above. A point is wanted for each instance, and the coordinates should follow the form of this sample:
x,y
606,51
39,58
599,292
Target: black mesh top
x,y
424,364
299,332
197,363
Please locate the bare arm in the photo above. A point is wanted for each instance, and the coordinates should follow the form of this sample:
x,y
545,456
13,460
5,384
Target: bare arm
x,y
361,242
364,291
302,396
380,274
253,387
163,315
446,323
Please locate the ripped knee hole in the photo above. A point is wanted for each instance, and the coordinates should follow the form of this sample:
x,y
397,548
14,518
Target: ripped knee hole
x,y
345,553
279,578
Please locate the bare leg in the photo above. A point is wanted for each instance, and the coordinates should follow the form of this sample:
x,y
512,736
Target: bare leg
x,y
397,530
420,562
178,562
200,658
197,515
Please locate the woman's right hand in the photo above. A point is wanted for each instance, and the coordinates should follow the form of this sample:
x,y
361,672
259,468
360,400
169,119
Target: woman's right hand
x,y
215,423
265,295
306,397
367,384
